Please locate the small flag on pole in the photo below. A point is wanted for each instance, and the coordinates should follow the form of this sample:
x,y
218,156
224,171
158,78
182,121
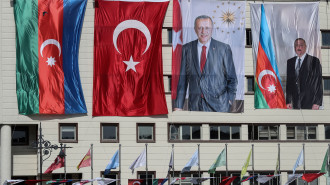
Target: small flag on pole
x,y
113,164
220,161
299,162
140,161
192,162
246,164
86,161
58,163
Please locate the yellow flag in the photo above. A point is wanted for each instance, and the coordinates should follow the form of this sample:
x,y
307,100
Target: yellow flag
x,y
246,164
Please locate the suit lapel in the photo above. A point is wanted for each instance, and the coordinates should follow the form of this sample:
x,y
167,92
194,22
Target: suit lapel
x,y
195,58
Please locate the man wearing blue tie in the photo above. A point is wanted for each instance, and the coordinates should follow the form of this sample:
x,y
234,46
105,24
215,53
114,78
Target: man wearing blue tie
x,y
304,88
207,66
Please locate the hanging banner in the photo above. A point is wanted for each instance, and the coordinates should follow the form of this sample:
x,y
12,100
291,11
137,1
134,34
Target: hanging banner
x,y
128,69
286,53
209,73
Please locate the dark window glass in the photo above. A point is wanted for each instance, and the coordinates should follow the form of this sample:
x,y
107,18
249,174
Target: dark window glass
x,y
20,135
174,132
248,37
224,133
142,175
214,133
326,83
300,132
327,132
196,132
145,132
290,133
250,84
169,34
109,132
235,132
186,132
325,38
170,83
311,132
68,132
263,133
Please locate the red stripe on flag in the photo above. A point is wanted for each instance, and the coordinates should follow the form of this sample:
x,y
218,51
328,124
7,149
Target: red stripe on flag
x,y
269,85
51,77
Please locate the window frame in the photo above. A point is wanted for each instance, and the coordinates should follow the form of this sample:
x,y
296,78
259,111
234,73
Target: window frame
x,y
153,140
230,132
109,140
179,132
60,140
26,129
252,134
324,46
247,85
325,91
306,132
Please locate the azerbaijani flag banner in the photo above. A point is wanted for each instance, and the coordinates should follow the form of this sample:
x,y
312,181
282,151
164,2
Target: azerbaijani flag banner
x,y
268,87
47,44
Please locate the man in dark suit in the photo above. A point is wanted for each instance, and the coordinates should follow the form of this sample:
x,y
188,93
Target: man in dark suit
x,y
207,67
304,88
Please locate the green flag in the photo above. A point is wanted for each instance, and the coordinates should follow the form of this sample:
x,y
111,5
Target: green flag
x,y
277,168
220,161
246,164
325,166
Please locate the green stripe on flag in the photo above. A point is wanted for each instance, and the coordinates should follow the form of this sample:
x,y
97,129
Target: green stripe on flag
x,y
259,99
27,86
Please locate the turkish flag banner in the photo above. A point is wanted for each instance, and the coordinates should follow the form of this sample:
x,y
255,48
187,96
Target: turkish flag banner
x,y
128,71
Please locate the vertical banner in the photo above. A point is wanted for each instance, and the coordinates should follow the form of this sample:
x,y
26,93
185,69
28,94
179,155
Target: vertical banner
x,y
47,46
287,35
209,73
128,71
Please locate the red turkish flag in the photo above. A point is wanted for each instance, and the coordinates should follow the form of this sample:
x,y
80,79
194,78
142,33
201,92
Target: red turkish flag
x,y
310,177
135,181
128,70
176,46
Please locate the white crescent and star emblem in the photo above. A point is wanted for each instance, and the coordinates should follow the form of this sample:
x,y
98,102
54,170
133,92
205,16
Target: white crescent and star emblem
x,y
272,87
136,25
51,60
136,182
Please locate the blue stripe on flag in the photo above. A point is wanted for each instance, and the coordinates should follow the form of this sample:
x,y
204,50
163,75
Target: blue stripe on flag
x,y
73,16
266,42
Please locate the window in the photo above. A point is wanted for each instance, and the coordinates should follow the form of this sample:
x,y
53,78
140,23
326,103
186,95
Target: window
x,y
169,35
142,175
220,175
145,132
263,132
66,176
20,135
248,37
301,132
185,132
250,84
325,37
326,84
68,133
327,131
225,132
109,133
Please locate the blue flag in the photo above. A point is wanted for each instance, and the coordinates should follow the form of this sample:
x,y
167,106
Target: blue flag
x,y
113,164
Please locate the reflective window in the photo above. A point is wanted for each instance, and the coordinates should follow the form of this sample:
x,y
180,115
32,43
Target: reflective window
x,y
68,132
145,132
109,132
185,132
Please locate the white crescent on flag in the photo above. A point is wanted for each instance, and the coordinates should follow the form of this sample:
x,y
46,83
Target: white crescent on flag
x,y
262,74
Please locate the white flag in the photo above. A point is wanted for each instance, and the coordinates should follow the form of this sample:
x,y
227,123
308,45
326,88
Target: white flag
x,y
265,178
171,164
104,181
192,162
300,161
140,161
292,177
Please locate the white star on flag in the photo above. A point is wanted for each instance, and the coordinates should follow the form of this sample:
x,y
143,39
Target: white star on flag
x,y
272,88
51,61
176,39
131,64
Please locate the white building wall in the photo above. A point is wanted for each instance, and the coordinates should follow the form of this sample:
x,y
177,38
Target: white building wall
x,y
26,163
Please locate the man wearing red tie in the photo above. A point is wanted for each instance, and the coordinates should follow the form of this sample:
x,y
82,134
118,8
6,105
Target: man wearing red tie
x,y
208,69
304,88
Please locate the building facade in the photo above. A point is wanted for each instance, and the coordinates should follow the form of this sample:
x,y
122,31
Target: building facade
x,y
265,130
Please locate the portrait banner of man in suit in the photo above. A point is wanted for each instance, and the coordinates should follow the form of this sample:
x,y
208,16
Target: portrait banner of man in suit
x,y
210,76
295,33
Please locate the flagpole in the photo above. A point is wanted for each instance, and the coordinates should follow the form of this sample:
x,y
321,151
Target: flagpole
x,y
328,157
304,159
64,161
199,163
119,164
91,149
226,162
146,164
253,161
173,160
279,162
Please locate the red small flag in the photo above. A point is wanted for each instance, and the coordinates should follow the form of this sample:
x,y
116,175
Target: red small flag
x,y
309,177
86,161
58,163
135,181
228,180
